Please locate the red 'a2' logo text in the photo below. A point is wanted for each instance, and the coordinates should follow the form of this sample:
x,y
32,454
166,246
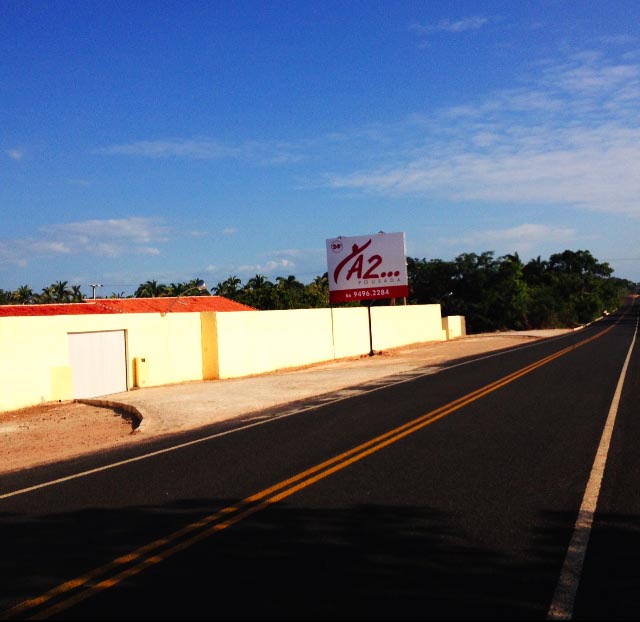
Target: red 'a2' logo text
x,y
357,267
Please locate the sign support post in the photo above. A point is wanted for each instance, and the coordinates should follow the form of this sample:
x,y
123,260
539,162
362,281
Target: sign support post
x,y
371,352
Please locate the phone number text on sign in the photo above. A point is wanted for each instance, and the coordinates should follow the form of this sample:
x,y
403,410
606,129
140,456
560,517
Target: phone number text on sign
x,y
349,295
367,267
365,293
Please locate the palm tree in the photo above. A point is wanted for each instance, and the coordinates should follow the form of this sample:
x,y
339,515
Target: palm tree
x,y
260,292
229,288
76,294
534,271
151,289
176,289
60,291
291,291
6,297
317,292
23,295
47,295
258,282
290,283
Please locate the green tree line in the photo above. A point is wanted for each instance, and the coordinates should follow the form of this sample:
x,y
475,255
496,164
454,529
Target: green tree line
x,y
567,290
493,293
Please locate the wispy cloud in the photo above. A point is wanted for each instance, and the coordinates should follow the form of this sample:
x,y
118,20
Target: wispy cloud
x,y
290,252
133,229
568,136
80,182
571,137
15,154
148,250
268,267
260,152
303,263
40,247
198,149
618,39
525,237
215,233
105,238
448,25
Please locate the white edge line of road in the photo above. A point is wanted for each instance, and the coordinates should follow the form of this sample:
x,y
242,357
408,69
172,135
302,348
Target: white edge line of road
x,y
564,596
255,423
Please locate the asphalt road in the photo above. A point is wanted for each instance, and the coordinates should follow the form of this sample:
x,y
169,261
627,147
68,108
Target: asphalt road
x,y
450,495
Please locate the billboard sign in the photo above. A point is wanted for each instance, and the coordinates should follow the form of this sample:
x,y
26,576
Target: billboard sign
x,y
367,267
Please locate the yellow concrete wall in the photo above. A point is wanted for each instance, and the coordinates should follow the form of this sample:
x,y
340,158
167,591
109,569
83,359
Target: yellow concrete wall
x,y
254,343
61,383
454,326
400,325
30,348
171,346
350,332
34,352
179,347
209,344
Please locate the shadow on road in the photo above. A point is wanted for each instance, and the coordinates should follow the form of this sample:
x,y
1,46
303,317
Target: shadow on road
x,y
287,563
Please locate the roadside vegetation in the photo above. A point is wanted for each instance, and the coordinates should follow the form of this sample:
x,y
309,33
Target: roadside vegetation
x,y
493,293
567,290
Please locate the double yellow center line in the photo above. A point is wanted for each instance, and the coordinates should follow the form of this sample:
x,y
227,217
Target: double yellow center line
x,y
70,593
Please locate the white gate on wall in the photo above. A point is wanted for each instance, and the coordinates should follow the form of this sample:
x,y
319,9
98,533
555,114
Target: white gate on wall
x,y
98,362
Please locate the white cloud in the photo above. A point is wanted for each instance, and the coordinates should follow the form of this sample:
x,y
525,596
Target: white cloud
x,y
21,252
106,238
10,255
198,149
49,248
281,262
260,152
148,250
448,25
524,237
571,138
269,267
133,229
618,39
593,169
588,73
528,240
290,252
103,249
15,154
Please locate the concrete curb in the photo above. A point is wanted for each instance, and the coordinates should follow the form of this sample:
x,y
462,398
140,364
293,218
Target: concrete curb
x,y
136,414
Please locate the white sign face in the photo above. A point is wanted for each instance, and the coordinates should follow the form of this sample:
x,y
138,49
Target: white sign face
x,y
367,267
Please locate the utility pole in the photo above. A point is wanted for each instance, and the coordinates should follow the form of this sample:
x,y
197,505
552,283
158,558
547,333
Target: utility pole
x,y
94,285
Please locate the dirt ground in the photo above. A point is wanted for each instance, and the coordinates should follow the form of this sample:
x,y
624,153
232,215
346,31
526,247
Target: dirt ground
x,y
50,432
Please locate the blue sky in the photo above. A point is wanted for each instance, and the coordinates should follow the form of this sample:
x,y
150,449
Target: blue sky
x,y
166,141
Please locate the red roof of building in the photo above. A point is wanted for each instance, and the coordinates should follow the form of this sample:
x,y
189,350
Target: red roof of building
x,y
181,304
